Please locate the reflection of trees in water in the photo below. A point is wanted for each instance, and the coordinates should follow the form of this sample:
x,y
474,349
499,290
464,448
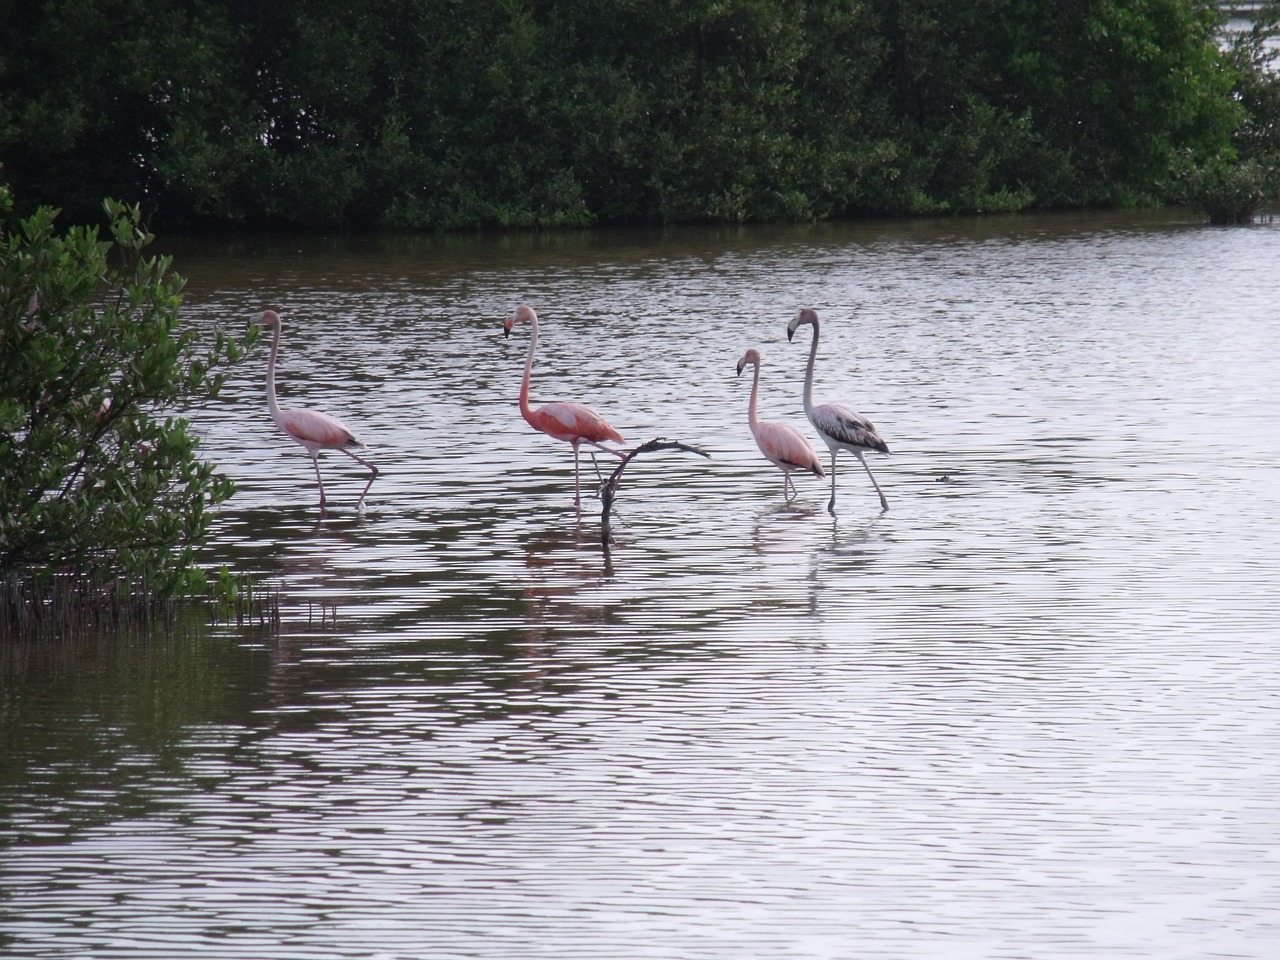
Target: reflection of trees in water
x,y
290,554
107,727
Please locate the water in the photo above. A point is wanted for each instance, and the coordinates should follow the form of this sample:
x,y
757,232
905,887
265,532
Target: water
x,y
1030,711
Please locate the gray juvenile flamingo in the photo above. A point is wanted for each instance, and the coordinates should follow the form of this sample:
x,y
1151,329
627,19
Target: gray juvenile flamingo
x,y
840,427
316,431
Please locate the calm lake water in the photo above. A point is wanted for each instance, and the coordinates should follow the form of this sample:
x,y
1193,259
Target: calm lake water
x,y
1031,711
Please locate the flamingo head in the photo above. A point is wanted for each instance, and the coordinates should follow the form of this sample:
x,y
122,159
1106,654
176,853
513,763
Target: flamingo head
x,y
524,314
269,319
807,315
751,356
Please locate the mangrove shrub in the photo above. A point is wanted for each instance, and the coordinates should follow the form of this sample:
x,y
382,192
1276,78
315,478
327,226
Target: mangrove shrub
x,y
99,471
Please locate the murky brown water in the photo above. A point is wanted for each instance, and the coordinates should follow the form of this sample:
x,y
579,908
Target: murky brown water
x,y
1030,711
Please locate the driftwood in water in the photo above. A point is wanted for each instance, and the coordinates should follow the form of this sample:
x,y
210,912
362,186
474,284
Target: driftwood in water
x,y
610,489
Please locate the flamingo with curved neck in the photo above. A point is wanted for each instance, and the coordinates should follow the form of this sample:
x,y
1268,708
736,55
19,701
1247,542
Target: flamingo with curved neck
x,y
839,427
573,423
782,444
314,430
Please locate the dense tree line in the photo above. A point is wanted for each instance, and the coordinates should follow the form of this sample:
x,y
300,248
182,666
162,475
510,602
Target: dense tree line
x,y
456,113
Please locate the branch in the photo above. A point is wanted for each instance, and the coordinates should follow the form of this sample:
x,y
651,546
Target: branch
x,y
610,489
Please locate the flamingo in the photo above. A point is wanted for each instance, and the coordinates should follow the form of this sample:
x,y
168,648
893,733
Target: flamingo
x,y
316,431
570,422
782,445
840,427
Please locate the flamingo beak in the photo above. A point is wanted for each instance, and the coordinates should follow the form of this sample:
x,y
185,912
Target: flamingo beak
x,y
506,327
741,364
791,331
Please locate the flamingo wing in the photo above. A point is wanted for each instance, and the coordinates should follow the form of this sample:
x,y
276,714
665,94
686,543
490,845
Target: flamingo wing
x,y
311,427
846,428
572,421
786,448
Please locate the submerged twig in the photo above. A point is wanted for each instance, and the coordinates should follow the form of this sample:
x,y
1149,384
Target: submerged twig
x,y
609,492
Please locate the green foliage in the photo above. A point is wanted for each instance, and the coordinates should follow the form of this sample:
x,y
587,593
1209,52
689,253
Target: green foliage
x,y
129,98
99,473
1059,104
1229,191
1253,54
444,114
1235,183
233,597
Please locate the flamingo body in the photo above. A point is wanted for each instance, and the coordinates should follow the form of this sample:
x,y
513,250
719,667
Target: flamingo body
x,y
317,431
314,430
839,427
572,423
782,444
786,448
843,429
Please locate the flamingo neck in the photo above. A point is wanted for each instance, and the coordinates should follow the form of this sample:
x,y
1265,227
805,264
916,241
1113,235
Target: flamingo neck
x,y
272,405
808,371
755,389
525,410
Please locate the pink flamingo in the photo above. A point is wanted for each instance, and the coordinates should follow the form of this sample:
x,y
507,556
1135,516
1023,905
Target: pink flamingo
x,y
316,431
782,445
570,422
840,427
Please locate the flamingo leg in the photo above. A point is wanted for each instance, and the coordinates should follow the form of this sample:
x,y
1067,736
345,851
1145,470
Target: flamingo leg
x,y
315,462
884,504
373,475
600,446
831,506
577,471
596,466
577,480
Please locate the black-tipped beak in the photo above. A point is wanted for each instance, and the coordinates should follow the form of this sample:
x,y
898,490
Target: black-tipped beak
x,y
791,334
740,366
506,332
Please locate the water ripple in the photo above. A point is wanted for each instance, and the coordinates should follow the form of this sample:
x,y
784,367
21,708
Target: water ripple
x,y
1029,711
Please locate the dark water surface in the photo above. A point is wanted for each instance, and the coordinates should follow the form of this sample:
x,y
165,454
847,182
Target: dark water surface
x,y
1032,711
